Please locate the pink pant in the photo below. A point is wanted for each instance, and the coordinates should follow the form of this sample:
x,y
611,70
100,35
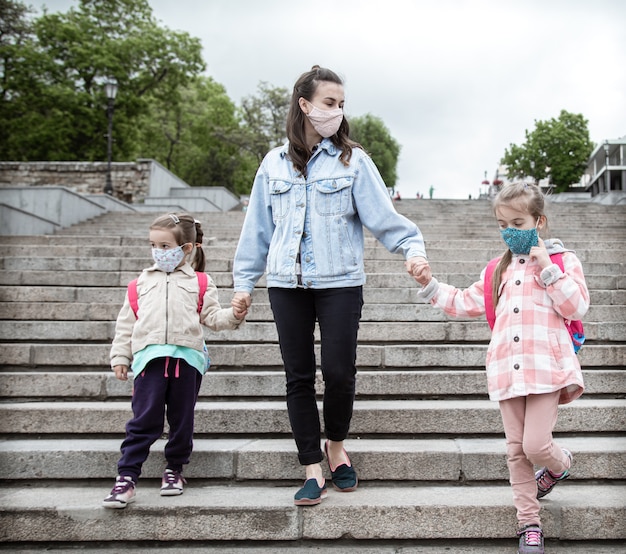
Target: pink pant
x,y
528,424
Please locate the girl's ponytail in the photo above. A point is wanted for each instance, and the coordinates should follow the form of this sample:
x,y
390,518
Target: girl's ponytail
x,y
199,260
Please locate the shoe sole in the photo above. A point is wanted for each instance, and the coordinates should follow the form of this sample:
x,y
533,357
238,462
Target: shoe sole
x,y
347,489
171,492
310,501
117,504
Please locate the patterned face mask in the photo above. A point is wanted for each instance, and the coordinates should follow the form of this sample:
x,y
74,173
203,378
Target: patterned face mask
x,y
520,241
168,259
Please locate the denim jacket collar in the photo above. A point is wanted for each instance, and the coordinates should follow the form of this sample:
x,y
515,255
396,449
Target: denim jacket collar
x,y
326,144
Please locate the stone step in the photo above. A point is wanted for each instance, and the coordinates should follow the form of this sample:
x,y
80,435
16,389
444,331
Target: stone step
x,y
378,332
118,278
101,296
215,266
254,418
259,312
217,255
243,512
431,383
220,247
452,460
256,356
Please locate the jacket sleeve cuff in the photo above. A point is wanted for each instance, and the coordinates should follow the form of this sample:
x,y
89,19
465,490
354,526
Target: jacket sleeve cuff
x,y
551,274
427,293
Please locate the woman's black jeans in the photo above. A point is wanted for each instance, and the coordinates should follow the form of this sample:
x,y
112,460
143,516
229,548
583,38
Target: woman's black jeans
x,y
338,312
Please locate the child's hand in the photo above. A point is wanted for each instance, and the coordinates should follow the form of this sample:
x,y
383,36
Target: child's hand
x,y
241,302
540,253
121,372
419,269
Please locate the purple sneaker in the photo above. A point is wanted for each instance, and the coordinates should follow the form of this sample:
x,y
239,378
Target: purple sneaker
x,y
546,480
530,540
122,494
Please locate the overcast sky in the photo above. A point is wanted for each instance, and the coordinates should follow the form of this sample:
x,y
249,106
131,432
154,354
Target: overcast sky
x,y
455,81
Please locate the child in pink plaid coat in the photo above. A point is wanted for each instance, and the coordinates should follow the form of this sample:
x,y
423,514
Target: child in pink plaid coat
x,y
531,363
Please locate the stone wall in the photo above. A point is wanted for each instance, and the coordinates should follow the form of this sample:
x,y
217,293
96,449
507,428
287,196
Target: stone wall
x,y
131,180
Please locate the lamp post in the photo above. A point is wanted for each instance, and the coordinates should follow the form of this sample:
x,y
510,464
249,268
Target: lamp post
x,y
110,89
607,174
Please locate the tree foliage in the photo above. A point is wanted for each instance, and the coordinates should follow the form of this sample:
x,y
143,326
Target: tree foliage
x,y
558,148
53,103
373,135
53,107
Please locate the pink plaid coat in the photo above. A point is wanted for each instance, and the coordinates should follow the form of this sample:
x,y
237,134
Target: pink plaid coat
x,y
530,350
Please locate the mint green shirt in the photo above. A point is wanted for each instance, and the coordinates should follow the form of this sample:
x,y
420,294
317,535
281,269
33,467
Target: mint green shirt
x,y
196,359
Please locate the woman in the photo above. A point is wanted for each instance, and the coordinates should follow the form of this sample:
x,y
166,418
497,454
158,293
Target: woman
x,y
304,228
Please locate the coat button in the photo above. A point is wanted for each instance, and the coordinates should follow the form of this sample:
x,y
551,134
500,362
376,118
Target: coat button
x,y
522,261
516,339
518,282
516,366
516,310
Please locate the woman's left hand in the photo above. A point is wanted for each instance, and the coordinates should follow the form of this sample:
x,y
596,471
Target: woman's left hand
x,y
419,269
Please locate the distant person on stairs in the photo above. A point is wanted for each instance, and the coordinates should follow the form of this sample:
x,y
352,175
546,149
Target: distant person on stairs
x,y
159,332
531,362
304,228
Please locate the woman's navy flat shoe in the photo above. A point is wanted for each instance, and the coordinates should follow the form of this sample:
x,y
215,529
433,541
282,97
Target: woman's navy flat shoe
x,y
343,476
311,494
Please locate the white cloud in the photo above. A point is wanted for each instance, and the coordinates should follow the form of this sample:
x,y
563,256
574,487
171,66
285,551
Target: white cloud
x,y
455,81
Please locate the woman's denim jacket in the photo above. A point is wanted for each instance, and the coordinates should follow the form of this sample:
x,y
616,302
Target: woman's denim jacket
x,y
322,217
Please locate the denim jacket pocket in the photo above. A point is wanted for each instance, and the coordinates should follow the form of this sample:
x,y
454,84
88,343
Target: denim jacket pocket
x,y
280,198
333,196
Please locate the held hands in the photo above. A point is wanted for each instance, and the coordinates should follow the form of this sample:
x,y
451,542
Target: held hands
x,y
419,269
540,253
121,372
241,302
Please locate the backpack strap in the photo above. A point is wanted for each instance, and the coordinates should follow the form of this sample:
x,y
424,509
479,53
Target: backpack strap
x,y
490,311
132,296
203,282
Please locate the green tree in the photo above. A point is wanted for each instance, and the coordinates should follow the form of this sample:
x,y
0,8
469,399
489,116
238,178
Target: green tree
x,y
559,148
185,135
54,106
373,135
263,120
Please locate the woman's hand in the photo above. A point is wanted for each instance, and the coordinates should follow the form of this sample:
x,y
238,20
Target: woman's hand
x,y
241,302
419,269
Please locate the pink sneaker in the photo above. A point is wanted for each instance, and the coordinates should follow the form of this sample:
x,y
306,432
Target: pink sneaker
x,y
122,494
172,483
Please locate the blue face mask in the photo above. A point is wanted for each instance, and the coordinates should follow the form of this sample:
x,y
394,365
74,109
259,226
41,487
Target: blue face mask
x,y
520,241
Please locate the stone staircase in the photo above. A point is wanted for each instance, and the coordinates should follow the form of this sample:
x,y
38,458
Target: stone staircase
x,y
427,442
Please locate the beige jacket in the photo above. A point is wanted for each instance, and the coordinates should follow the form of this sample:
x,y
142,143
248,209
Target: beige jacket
x,y
168,314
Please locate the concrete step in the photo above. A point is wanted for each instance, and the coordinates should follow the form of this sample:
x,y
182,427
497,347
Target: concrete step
x,y
251,383
444,460
56,295
474,331
106,265
224,355
259,312
217,255
206,512
254,418
120,278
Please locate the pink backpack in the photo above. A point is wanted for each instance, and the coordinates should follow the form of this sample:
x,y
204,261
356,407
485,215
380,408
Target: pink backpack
x,y
132,292
575,327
